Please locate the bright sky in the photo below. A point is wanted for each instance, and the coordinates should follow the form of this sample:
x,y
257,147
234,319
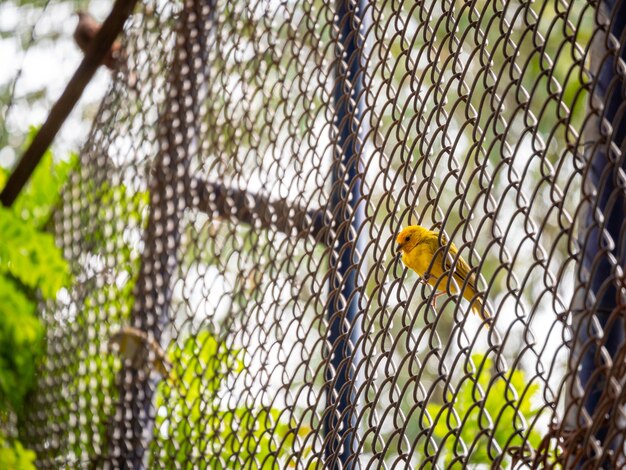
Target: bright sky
x,y
47,67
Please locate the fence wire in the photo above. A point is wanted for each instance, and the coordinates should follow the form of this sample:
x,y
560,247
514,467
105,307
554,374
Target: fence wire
x,y
237,297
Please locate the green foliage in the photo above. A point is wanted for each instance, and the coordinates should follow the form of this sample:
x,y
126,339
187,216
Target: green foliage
x,y
30,257
506,402
21,335
32,268
104,309
191,418
36,202
15,457
130,211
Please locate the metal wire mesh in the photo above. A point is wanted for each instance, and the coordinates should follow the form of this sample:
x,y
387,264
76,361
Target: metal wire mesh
x,y
238,301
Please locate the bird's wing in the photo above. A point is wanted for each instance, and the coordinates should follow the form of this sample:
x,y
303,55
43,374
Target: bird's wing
x,y
462,271
461,268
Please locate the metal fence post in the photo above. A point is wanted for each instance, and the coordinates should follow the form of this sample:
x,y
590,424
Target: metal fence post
x,y
600,288
344,329
131,429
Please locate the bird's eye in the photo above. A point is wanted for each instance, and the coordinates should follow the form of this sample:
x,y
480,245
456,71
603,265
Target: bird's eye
x,y
407,238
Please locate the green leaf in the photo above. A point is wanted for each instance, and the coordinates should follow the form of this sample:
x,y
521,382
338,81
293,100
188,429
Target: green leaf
x,y
191,414
30,256
38,199
15,457
21,335
502,411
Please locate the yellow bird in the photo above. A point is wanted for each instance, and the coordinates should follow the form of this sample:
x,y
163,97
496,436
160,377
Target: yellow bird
x,y
419,245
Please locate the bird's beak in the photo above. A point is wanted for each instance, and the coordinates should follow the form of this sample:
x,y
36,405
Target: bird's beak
x,y
399,248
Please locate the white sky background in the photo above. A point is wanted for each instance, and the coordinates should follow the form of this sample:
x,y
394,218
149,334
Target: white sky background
x,y
48,65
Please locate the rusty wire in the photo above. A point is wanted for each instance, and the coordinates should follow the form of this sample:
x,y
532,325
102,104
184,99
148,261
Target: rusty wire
x,y
204,216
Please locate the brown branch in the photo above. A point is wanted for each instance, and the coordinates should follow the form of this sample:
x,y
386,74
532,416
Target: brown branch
x,y
102,43
293,220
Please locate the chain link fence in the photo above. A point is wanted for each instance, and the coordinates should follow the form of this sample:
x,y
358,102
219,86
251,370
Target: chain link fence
x,y
237,300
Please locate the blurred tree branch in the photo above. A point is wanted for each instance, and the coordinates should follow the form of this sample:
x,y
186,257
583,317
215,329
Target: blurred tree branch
x,y
215,198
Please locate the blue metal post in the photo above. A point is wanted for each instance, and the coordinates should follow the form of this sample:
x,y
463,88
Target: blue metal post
x,y
605,215
344,329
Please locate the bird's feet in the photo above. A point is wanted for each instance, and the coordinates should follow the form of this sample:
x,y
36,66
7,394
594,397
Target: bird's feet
x,y
433,300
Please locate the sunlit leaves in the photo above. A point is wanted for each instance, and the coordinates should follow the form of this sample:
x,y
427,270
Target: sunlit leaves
x,y
29,256
36,202
32,269
15,457
21,336
485,410
195,427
